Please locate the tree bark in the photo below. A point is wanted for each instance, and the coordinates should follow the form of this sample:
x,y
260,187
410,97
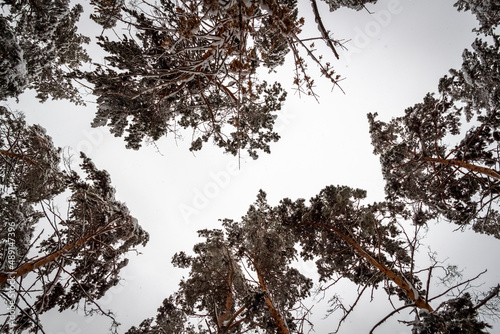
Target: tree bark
x,y
275,314
228,305
37,263
399,281
19,156
460,163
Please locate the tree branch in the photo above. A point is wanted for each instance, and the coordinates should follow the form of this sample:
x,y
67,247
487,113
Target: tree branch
x,y
409,291
390,315
459,163
322,29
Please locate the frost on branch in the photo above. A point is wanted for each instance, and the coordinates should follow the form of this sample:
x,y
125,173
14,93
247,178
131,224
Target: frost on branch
x,y
353,4
41,49
190,69
77,256
12,63
444,151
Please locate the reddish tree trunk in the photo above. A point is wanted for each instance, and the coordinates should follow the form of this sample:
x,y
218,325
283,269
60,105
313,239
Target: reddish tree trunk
x,y
459,163
37,263
275,314
399,281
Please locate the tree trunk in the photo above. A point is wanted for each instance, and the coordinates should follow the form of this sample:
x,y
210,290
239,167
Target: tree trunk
x,y
37,263
459,163
275,314
228,305
399,281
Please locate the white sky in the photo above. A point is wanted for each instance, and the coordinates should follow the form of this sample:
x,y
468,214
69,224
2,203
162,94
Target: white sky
x,y
396,56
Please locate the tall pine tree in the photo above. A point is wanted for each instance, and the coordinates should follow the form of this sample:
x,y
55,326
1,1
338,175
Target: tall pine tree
x,y
41,49
81,258
193,65
444,151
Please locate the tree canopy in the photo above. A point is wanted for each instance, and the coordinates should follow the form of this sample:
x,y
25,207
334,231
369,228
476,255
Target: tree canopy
x,y
197,68
240,279
41,49
244,277
443,152
82,257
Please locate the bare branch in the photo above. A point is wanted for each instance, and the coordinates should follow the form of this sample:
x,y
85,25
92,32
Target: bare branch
x,y
322,29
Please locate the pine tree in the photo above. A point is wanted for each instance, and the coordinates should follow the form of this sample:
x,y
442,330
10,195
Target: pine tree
x,y
486,12
29,162
269,249
369,245
29,170
82,257
457,315
240,279
360,243
216,285
41,48
194,66
459,181
12,63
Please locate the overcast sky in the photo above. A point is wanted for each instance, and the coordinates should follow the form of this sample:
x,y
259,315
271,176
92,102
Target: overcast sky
x,y
396,55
